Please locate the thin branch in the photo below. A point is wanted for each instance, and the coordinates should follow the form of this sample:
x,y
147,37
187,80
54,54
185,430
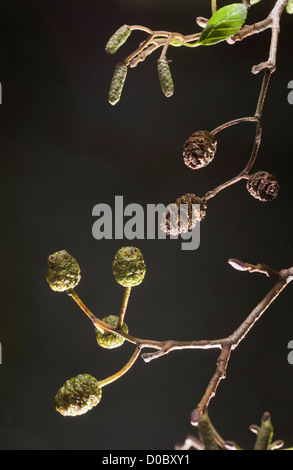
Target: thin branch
x,y
232,342
257,313
123,371
233,123
257,139
214,6
166,46
250,30
272,22
220,374
126,296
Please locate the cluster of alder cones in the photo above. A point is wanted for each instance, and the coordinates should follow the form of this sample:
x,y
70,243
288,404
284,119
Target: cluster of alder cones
x,y
83,392
198,151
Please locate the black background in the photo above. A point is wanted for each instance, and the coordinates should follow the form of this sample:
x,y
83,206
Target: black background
x,y
64,149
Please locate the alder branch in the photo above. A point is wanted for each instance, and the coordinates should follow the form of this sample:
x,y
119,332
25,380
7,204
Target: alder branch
x,y
226,345
257,139
273,22
165,39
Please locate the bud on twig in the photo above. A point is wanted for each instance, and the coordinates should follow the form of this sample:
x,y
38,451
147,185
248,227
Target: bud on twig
x,y
206,433
165,77
117,83
265,433
118,39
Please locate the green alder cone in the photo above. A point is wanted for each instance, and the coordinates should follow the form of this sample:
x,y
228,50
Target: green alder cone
x,y
165,77
78,395
289,7
128,266
117,83
107,339
118,39
63,271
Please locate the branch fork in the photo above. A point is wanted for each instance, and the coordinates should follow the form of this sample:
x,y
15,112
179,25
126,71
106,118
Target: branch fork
x,y
226,345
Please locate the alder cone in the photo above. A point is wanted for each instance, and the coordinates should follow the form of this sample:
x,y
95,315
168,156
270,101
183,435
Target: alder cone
x,y
263,186
128,266
183,215
78,395
107,339
63,271
199,150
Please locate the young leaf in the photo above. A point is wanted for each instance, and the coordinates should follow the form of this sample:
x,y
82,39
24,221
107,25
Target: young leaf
x,y
253,2
289,7
223,24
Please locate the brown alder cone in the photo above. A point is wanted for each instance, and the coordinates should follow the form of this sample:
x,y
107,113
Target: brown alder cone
x,y
183,215
263,186
199,150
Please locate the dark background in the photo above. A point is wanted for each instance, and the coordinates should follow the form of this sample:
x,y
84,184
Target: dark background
x,y
64,149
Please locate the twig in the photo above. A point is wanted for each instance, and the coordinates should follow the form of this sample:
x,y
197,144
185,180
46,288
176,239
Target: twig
x,y
214,6
258,268
220,374
123,371
257,139
226,345
127,293
273,22
233,123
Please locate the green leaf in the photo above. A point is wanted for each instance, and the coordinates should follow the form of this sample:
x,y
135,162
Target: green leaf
x,y
289,7
223,24
253,2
